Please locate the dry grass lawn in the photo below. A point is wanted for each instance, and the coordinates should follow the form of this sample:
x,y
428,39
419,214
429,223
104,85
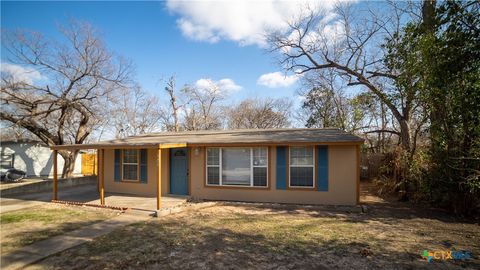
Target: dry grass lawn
x,y
255,236
26,226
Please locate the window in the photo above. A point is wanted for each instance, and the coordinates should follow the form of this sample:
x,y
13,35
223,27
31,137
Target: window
x,y
130,165
260,163
213,166
302,167
237,166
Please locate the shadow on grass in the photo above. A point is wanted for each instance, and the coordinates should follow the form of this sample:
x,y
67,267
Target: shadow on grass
x,y
389,213
30,237
177,244
18,240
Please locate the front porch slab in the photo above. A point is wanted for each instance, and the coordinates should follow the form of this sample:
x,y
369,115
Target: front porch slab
x,y
141,203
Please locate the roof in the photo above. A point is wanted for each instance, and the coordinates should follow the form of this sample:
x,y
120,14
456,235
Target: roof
x,y
218,137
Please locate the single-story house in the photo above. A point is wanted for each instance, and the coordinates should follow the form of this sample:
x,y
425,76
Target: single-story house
x,y
302,166
33,157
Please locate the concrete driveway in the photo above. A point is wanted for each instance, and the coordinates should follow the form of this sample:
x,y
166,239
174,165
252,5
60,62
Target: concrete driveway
x,y
16,202
88,193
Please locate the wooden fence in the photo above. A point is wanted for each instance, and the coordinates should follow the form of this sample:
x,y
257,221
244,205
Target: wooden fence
x,y
89,164
371,165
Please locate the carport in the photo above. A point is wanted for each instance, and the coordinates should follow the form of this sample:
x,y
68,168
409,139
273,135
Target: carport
x,y
115,199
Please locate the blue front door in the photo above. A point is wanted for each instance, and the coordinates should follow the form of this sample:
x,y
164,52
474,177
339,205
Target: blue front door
x,y
179,171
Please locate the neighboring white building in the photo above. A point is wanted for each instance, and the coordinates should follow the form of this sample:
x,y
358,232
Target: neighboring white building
x,y
33,157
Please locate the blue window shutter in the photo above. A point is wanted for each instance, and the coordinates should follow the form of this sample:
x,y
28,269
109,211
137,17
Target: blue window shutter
x,y
322,164
281,167
117,159
143,166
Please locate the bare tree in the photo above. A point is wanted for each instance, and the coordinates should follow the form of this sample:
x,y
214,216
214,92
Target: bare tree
x,y
77,78
171,116
203,111
260,114
352,48
378,125
325,102
14,133
134,112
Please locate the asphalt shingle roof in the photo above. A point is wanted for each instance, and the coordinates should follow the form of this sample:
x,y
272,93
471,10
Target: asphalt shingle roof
x,y
242,136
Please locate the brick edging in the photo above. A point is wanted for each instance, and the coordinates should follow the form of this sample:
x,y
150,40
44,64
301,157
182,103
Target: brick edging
x,y
123,209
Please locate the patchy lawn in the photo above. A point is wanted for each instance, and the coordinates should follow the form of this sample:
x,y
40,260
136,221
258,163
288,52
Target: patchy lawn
x,y
23,227
256,236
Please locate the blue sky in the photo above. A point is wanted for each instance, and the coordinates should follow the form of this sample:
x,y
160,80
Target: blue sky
x,y
159,39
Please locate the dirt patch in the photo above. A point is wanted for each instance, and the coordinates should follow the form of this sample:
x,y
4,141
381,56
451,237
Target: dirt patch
x,y
262,236
23,227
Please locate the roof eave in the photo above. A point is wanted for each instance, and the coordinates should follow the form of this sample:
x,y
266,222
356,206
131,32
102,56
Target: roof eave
x,y
179,145
101,146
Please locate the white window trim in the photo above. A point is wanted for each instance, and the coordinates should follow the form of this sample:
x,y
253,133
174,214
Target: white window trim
x,y
258,166
129,163
219,166
312,166
213,166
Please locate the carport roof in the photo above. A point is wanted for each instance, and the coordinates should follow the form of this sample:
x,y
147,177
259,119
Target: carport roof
x,y
230,137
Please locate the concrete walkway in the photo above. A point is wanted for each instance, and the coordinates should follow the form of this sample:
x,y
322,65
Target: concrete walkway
x,y
88,194
141,209
28,255
16,202
34,186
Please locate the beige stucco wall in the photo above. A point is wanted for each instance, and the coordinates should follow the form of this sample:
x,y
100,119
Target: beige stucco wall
x,y
148,189
342,188
342,176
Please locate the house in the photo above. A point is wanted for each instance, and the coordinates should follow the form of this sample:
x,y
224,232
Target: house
x,y
33,157
303,166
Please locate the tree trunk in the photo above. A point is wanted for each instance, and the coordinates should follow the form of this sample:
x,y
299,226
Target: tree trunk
x,y
405,135
68,167
429,27
403,165
383,115
428,15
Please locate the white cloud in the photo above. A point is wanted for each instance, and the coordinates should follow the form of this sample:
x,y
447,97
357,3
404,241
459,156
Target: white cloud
x,y
245,22
197,32
333,32
277,79
20,73
328,32
224,85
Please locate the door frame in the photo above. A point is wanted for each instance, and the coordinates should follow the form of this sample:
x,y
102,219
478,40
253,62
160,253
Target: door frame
x,y
170,174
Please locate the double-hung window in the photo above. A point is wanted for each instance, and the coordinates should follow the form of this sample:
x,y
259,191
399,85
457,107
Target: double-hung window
x,y
237,166
302,167
213,166
130,165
